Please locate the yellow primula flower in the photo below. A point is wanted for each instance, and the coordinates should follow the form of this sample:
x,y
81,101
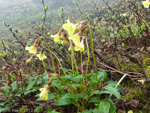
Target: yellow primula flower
x,y
69,27
80,48
76,39
146,3
44,93
32,49
41,56
56,37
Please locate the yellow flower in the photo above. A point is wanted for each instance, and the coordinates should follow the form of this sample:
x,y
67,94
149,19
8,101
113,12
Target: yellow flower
x,y
142,81
80,48
56,37
76,39
146,3
44,93
32,49
69,27
41,56
130,111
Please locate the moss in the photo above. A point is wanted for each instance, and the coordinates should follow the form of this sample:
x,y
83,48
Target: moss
x,y
135,93
146,62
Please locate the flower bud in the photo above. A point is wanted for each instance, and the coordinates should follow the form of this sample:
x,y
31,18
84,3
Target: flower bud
x,y
70,48
64,42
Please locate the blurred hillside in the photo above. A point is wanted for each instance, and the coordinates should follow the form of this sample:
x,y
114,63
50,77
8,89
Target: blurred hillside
x,y
20,13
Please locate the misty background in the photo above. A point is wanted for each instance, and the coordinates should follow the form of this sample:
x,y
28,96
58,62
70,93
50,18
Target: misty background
x,y
21,13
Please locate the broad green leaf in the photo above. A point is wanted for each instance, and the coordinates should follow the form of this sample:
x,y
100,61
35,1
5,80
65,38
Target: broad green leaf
x,y
78,78
6,90
14,86
31,82
88,111
94,99
52,96
68,77
101,92
5,108
96,110
56,85
112,106
104,106
65,100
80,95
101,76
111,83
75,85
63,69
113,90
38,109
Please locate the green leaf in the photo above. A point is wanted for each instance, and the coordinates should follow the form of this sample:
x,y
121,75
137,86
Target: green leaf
x,y
65,100
67,77
80,95
96,110
57,85
78,78
5,108
14,86
52,96
6,90
113,90
94,99
101,92
63,69
75,85
104,106
38,109
111,83
31,82
101,76
112,106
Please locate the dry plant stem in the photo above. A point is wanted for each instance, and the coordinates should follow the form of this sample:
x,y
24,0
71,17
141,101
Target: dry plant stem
x,y
119,82
84,88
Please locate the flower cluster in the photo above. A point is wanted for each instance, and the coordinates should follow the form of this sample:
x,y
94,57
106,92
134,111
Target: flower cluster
x,y
146,3
72,36
33,50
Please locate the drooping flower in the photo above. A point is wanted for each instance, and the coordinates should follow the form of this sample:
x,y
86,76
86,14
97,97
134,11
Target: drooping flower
x,y
80,47
146,3
76,39
44,93
41,56
69,27
32,49
56,37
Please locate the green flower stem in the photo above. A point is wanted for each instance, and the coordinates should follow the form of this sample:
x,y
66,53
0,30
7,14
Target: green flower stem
x,y
58,61
45,68
72,60
51,55
88,58
92,47
75,62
